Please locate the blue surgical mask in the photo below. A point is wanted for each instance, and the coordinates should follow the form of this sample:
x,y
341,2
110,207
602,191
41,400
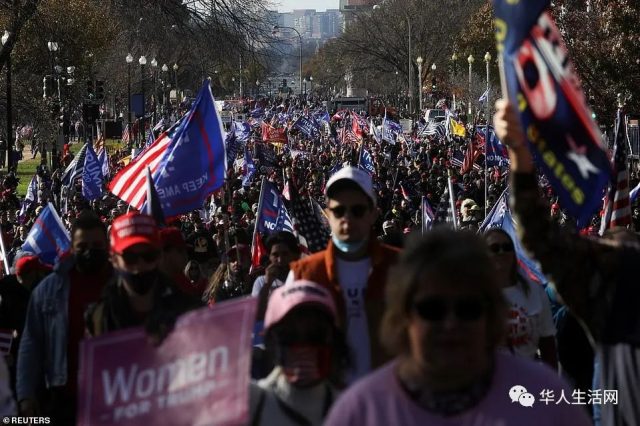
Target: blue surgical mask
x,y
348,247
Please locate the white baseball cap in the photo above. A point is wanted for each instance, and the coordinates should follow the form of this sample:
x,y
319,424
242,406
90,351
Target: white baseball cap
x,y
361,178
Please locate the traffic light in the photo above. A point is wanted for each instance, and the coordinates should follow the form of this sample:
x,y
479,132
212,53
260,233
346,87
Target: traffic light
x,y
100,90
91,92
433,84
48,86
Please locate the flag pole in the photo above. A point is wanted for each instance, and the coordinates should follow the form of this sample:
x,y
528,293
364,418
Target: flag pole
x,y
422,214
486,138
452,201
258,214
4,253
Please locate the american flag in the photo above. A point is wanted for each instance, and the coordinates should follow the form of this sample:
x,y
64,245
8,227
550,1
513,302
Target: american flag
x,y
471,155
617,211
428,216
125,134
309,221
130,183
76,168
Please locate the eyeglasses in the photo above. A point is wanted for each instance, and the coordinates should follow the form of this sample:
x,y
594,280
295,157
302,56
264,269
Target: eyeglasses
x,y
498,248
436,308
358,211
133,258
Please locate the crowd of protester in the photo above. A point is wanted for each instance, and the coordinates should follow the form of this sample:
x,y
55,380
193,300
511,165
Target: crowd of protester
x,y
383,329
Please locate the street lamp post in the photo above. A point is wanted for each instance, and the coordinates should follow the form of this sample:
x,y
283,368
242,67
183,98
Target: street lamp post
x,y
487,60
433,81
454,59
129,60
5,39
419,62
470,59
409,74
175,74
142,61
395,89
165,69
154,67
275,30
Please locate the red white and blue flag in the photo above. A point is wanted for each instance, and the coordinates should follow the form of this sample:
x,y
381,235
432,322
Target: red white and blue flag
x,y
617,211
187,162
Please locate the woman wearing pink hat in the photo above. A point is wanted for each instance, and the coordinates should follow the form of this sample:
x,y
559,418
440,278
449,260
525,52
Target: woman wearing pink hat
x,y
309,353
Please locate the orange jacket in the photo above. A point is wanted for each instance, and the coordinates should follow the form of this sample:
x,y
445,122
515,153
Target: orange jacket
x,y
321,268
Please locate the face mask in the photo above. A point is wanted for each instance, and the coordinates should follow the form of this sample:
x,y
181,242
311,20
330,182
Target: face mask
x,y
348,246
306,365
92,259
141,282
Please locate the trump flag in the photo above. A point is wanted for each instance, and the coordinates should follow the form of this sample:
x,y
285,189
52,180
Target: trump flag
x,y
48,238
543,85
187,162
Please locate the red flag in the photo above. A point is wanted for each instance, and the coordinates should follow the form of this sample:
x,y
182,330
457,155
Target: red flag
x,y
258,251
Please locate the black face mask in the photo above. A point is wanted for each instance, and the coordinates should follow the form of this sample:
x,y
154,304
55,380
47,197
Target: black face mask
x,y
141,282
92,260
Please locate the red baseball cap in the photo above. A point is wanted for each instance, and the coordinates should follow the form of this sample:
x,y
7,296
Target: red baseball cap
x,y
134,228
27,264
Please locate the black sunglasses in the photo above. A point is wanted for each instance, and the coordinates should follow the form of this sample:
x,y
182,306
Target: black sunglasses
x,y
358,211
501,248
147,256
437,308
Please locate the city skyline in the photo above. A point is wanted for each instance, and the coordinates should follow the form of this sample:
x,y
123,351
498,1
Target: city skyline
x,y
319,5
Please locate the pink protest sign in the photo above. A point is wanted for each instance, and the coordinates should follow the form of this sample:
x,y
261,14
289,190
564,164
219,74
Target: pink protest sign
x,y
198,376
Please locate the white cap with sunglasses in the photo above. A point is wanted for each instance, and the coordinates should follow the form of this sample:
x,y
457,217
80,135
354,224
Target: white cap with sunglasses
x,y
359,177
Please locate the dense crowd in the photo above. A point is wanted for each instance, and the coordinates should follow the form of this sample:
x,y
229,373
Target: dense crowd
x,y
432,329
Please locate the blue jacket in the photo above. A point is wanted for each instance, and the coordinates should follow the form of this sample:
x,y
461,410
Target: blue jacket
x,y
43,347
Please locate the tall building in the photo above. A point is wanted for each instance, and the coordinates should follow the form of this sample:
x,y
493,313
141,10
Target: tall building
x,y
350,7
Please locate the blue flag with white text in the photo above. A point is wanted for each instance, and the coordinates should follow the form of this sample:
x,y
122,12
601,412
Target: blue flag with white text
x,y
92,178
194,164
272,215
366,162
554,114
48,238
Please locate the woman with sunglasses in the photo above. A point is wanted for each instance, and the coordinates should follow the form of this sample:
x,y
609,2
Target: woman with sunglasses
x,y
445,325
530,322
309,353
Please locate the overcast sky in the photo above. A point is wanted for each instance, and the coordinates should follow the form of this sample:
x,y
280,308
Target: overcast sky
x,y
319,5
